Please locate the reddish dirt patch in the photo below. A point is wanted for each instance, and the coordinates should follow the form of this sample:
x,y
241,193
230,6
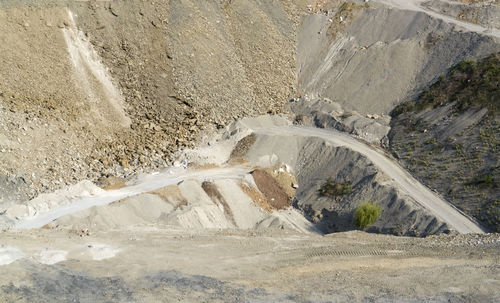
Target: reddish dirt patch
x,y
284,179
271,189
257,197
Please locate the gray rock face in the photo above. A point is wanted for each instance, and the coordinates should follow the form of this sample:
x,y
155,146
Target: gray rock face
x,y
400,214
382,57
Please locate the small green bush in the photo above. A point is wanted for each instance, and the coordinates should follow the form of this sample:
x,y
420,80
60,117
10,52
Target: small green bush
x,y
366,214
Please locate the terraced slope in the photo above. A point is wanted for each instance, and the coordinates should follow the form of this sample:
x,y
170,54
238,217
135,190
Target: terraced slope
x,y
114,88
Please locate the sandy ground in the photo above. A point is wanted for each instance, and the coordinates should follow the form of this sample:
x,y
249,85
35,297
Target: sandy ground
x,y
151,265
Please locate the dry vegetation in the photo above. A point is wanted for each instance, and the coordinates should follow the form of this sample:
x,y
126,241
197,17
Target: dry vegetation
x,y
468,84
448,140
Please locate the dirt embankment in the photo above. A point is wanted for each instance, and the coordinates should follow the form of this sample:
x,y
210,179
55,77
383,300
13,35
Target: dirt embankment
x,y
315,161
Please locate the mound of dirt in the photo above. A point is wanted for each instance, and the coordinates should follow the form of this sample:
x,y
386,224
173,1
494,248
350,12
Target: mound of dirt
x,y
271,189
242,147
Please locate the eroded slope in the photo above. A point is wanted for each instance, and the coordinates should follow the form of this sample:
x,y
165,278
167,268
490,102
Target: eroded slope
x,y
380,55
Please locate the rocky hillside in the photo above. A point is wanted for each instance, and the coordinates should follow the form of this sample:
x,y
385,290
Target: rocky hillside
x,y
450,138
484,12
93,88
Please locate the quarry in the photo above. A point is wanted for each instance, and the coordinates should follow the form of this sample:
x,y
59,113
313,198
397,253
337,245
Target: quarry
x,y
249,151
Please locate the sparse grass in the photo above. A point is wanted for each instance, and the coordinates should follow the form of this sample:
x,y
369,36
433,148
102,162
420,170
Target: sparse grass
x,y
463,167
484,180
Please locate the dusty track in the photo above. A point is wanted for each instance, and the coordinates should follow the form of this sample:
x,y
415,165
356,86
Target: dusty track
x,y
148,183
404,181
415,5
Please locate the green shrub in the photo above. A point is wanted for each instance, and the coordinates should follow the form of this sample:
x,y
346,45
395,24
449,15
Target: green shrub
x,y
366,214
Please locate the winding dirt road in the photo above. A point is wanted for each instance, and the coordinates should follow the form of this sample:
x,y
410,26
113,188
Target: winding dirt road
x,y
409,185
405,182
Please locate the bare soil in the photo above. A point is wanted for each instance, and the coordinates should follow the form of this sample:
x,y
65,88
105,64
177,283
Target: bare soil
x,y
236,266
257,197
271,189
218,199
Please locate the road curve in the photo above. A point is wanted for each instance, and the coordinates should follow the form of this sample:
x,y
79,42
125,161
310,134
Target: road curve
x,y
409,185
415,5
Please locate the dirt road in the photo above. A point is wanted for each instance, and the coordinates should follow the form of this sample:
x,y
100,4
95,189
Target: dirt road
x,y
155,265
405,182
403,179
145,184
415,5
